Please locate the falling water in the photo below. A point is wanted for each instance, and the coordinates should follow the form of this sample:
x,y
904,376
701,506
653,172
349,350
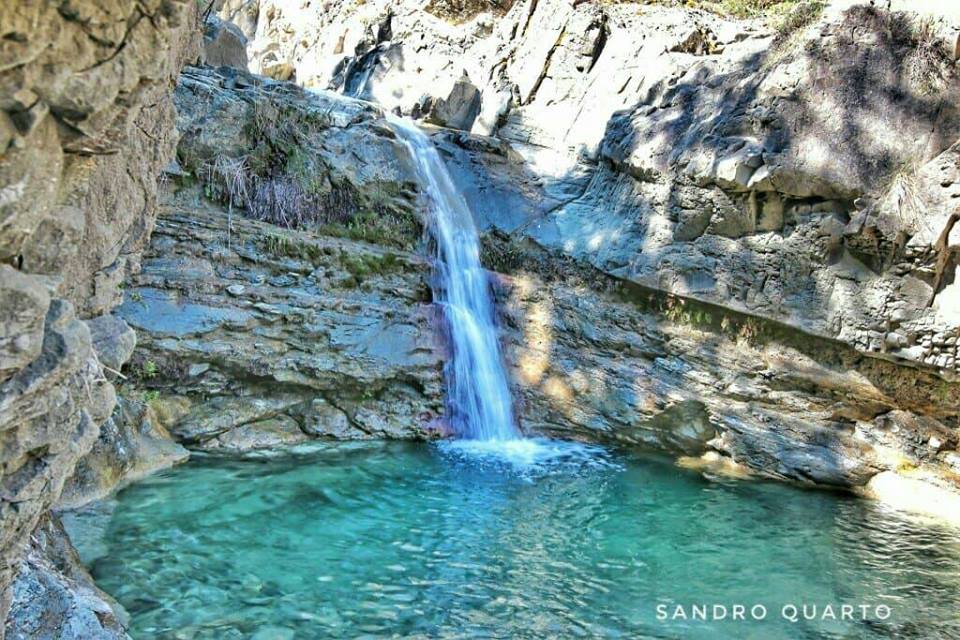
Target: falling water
x,y
479,398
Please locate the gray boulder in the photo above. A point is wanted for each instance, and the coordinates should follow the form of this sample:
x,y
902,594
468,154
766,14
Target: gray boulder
x,y
113,340
224,44
459,109
55,597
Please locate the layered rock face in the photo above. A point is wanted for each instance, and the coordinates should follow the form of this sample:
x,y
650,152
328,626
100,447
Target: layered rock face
x,y
272,337
255,335
86,123
792,173
593,358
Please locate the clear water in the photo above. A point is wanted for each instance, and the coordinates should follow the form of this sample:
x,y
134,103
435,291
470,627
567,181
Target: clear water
x,y
417,541
478,397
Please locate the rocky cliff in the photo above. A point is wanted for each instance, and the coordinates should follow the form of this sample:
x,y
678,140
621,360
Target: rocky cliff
x,y
253,334
86,124
790,170
785,185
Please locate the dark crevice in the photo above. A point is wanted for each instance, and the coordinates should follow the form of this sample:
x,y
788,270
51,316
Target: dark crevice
x,y
546,67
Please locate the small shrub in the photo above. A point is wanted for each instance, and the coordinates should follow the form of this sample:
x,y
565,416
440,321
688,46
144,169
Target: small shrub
x,y
281,181
752,8
291,246
735,8
798,17
149,370
463,10
927,65
750,331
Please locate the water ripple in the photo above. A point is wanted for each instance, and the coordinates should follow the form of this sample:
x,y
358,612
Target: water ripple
x,y
523,540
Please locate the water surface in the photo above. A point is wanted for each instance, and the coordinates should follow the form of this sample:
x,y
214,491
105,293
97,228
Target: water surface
x,y
411,540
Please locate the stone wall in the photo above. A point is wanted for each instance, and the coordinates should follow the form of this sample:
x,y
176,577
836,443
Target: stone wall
x,y
86,124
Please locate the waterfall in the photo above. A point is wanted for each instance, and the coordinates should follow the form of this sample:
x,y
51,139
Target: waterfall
x,y
479,397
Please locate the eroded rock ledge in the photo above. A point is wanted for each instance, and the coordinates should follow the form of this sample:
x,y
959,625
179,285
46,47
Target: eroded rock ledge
x,y
601,359
259,336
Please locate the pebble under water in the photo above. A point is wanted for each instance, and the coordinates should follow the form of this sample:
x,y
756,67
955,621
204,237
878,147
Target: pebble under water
x,y
425,541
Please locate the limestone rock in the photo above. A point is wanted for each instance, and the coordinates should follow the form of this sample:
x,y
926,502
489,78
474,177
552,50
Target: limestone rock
x,y
24,301
689,153
589,361
263,434
113,340
224,44
132,443
319,354
458,110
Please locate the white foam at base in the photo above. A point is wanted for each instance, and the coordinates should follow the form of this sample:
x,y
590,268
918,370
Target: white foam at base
x,y
528,454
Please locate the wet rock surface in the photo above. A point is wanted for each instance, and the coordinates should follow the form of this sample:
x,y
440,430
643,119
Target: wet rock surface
x,y
252,334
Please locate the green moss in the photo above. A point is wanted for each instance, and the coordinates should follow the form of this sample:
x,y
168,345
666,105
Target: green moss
x,y
391,228
291,246
361,266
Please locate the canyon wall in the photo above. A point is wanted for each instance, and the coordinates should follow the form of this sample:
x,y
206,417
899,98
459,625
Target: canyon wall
x,y
253,334
797,170
86,124
777,197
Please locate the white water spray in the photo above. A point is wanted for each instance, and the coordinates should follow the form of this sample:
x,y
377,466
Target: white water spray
x,y
479,397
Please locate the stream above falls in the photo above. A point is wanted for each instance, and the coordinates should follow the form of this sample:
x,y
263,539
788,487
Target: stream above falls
x,y
392,539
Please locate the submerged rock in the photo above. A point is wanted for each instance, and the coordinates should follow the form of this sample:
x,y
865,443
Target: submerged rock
x,y
55,597
263,434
